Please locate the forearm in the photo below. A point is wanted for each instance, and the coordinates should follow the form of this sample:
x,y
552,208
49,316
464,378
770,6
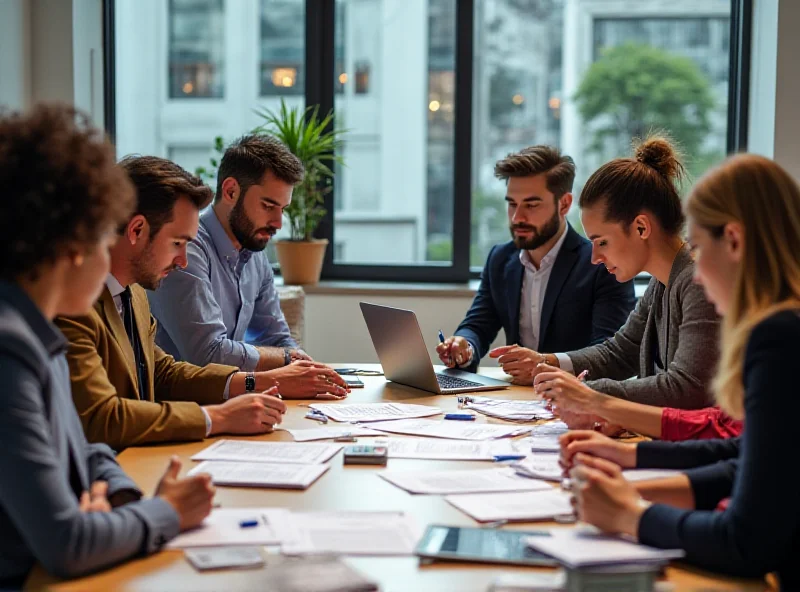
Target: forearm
x,y
270,358
674,491
635,417
264,381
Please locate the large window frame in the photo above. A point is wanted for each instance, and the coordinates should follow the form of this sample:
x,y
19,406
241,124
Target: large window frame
x,y
320,88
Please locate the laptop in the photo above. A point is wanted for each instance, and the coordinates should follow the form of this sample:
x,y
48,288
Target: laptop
x,y
401,349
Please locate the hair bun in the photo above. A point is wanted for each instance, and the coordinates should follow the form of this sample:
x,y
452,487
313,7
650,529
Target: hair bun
x,y
658,153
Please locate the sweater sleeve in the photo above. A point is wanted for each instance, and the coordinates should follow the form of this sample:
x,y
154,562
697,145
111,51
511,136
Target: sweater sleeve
x,y
757,533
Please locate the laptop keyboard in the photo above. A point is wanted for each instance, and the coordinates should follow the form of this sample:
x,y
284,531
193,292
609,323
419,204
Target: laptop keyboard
x,y
449,382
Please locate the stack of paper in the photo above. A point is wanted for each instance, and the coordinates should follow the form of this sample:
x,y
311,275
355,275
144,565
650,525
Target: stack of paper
x,y
221,527
574,548
348,533
544,438
490,507
438,449
510,410
456,430
358,412
273,452
269,475
466,481
329,432
541,465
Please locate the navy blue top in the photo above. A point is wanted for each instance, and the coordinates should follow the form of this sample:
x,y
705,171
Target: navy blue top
x,y
759,532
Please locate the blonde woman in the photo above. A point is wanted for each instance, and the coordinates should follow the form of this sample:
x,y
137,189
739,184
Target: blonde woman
x,y
744,228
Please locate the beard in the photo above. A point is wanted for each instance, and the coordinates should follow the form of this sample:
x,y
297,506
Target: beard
x,y
540,235
245,231
144,272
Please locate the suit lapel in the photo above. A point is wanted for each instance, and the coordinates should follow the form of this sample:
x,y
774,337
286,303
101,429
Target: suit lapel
x,y
563,264
141,312
512,280
108,310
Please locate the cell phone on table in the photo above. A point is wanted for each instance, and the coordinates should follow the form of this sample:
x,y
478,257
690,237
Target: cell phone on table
x,y
353,381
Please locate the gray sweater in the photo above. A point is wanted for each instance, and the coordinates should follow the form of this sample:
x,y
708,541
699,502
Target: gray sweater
x,y
670,341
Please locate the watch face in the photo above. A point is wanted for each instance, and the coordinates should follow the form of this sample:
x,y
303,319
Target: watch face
x,y
250,383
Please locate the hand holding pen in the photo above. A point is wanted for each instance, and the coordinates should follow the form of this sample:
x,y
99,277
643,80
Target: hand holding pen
x,y
454,351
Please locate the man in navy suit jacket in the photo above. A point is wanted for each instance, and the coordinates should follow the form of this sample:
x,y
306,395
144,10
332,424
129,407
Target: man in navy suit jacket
x,y
541,287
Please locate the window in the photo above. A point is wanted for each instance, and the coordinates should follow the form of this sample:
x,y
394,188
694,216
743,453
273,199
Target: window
x,y
196,47
282,47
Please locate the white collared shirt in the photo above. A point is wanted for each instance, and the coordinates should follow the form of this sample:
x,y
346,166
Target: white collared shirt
x,y
534,288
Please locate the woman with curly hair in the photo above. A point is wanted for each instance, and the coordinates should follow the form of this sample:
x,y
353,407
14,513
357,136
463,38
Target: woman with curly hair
x,y
63,502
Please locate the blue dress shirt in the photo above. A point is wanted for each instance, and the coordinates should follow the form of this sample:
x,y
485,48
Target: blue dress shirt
x,y
222,305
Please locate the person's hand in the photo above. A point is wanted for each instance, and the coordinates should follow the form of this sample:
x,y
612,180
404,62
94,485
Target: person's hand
x,y
299,354
579,421
255,413
304,379
191,497
454,351
95,500
596,444
566,391
604,498
520,362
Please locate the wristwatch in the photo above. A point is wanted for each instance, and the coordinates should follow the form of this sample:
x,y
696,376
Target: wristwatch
x,y
287,356
249,382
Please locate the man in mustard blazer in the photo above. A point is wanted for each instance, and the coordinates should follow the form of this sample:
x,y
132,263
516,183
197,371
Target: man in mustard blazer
x,y
126,389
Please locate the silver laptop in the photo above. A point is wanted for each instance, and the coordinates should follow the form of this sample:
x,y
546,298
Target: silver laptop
x,y
401,349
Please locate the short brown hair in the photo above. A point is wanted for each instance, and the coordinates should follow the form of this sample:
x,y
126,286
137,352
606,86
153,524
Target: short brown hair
x,y
536,160
159,184
62,187
251,157
648,181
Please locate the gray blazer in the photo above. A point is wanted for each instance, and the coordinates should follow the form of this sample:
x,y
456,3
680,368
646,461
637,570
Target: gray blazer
x,y
670,341
46,463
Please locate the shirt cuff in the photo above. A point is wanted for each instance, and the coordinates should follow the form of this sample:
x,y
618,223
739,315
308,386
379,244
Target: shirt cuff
x,y
226,394
208,417
565,363
251,358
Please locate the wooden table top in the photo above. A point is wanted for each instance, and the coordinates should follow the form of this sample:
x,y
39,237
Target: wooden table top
x,y
340,488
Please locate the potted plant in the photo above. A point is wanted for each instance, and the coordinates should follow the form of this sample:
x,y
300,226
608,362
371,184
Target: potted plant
x,y
316,143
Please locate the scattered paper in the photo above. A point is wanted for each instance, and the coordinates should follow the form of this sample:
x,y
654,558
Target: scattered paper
x,y
439,449
221,527
313,574
544,437
258,474
327,433
530,582
274,452
574,548
363,412
634,475
552,428
510,410
348,533
540,466
455,430
489,507
464,481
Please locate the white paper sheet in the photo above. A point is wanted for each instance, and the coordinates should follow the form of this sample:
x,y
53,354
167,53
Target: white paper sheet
x,y
258,474
544,437
274,452
540,465
537,505
221,527
452,429
329,432
439,449
634,475
510,410
348,533
462,481
364,412
550,428
574,548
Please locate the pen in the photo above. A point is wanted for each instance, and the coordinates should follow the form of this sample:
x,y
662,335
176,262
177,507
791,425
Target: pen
x,y
441,336
317,416
460,416
248,523
502,457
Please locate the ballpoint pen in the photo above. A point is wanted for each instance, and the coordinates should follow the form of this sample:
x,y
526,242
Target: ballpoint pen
x,y
317,415
460,416
504,457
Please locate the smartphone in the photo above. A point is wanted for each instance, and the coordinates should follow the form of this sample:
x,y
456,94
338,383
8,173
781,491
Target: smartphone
x,y
353,381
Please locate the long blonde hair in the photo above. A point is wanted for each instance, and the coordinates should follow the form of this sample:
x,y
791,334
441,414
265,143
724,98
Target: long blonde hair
x,y
764,199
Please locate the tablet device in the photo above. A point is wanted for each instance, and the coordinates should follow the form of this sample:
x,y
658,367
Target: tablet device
x,y
480,545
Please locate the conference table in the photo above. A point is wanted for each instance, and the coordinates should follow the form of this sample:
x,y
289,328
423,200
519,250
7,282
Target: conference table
x,y
340,488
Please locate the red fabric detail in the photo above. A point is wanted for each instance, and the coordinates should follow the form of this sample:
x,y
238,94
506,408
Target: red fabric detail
x,y
698,424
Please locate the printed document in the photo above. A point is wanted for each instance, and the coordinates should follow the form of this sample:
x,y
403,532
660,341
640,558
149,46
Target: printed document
x,y
358,412
327,433
221,527
540,465
258,474
438,449
489,507
462,481
453,429
273,452
510,410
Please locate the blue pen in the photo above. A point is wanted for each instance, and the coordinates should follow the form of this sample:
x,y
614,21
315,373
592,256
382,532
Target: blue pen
x,y
460,416
441,336
502,457
248,523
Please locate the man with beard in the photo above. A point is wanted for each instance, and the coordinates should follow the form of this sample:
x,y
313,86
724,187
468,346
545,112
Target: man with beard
x,y
541,288
223,307
126,389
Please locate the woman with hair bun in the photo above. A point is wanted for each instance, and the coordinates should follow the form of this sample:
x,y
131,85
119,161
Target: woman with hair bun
x,y
631,211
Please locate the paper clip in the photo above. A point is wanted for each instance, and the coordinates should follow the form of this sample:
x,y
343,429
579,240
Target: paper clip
x,y
464,401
